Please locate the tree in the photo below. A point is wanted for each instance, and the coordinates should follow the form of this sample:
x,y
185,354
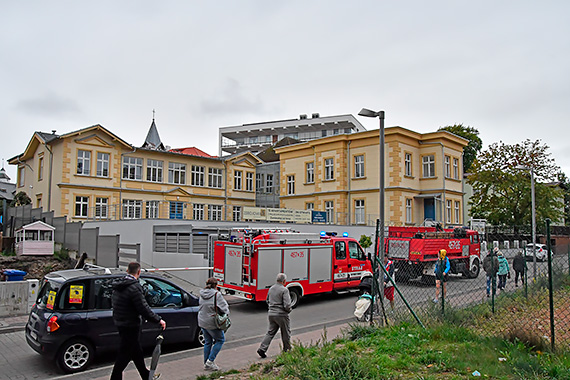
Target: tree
x,y
365,241
20,199
502,192
565,185
472,149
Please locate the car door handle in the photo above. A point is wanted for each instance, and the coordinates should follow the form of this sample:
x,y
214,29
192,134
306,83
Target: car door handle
x,y
336,267
349,266
93,318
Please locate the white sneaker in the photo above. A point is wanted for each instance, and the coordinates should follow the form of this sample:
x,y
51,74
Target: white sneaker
x,y
211,366
435,300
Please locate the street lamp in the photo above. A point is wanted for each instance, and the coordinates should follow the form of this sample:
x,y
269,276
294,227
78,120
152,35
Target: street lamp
x,y
380,114
533,219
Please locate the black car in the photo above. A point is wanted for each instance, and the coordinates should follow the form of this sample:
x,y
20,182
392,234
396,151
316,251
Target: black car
x,y
72,319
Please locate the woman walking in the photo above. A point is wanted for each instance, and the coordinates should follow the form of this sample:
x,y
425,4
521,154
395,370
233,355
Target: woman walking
x,y
214,337
503,270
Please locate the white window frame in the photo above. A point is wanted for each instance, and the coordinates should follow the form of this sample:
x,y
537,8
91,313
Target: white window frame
x,y
408,164
310,206
359,166
21,176
269,183
214,212
329,209
409,210
428,163
133,167
198,211
359,211
238,175
310,169
447,165
456,168
457,213
290,184
83,162
176,173
132,209
236,213
198,175
152,209
81,206
101,208
103,164
215,178
448,210
258,182
154,170
41,169
329,169
248,181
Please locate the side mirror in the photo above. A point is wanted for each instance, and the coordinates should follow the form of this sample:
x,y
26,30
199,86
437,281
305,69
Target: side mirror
x,y
369,256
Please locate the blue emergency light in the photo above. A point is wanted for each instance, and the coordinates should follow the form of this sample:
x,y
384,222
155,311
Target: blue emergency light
x,y
345,234
323,233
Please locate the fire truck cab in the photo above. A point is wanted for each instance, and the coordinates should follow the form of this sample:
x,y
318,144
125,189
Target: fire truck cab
x,y
248,261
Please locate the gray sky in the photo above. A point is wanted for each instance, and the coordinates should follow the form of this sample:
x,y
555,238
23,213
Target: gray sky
x,y
498,66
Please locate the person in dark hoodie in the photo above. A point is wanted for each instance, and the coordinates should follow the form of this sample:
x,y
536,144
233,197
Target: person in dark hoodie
x,y
129,308
213,336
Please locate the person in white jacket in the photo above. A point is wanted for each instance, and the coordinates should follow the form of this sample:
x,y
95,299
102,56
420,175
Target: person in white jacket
x,y
213,336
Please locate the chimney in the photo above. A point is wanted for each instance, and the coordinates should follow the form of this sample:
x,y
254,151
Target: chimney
x,y
53,131
315,116
302,117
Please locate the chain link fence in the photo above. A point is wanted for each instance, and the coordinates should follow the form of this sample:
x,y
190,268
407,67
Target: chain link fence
x,y
496,274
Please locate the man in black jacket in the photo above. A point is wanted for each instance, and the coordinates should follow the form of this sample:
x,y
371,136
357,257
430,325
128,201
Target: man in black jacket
x,y
129,305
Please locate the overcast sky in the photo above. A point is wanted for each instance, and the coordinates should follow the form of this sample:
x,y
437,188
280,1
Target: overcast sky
x,y
501,67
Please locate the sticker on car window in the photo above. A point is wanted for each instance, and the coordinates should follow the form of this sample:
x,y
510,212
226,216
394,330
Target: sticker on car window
x,y
51,299
76,294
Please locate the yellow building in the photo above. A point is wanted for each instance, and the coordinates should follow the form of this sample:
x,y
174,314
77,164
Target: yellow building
x,y
340,176
93,174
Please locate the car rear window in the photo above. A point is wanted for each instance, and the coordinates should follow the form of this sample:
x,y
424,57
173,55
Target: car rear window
x,y
47,294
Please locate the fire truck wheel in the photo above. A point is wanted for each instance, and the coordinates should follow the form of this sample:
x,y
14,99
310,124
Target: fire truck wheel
x,y
295,297
474,269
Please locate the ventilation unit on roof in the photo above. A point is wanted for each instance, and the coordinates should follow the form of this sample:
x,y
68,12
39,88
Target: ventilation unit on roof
x,y
315,116
302,117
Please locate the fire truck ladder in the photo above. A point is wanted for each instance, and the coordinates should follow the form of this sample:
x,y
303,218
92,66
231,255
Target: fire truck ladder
x,y
247,249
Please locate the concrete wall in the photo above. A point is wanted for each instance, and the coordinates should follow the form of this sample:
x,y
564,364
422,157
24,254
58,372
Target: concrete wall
x,y
17,297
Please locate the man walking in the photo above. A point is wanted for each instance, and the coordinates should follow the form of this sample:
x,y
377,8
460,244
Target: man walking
x,y
519,265
491,267
279,302
129,305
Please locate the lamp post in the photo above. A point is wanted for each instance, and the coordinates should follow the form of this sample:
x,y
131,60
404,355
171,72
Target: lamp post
x,y
379,114
533,217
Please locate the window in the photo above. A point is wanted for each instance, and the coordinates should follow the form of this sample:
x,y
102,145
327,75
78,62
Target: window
x,y
456,168
152,208
83,162
448,211
457,220
248,181
329,169
172,242
73,296
447,166
310,172
359,211
176,210
21,176
81,206
103,291
236,213
101,206
269,183
324,133
253,140
340,250
132,209
359,166
198,175
41,169
355,251
198,212
237,179
132,168
408,164
329,209
408,210
429,166
215,177
176,173
290,184
154,170
258,183
102,164
310,206
215,212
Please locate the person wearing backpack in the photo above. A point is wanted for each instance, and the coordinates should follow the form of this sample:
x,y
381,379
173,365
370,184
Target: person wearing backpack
x,y
491,267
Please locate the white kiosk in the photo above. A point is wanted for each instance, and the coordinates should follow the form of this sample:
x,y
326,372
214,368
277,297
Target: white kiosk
x,y
35,239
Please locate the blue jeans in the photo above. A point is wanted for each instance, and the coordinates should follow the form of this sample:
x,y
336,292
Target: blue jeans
x,y
214,341
489,281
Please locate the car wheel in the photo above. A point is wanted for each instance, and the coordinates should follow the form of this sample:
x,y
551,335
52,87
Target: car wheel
x,y
295,297
200,337
75,355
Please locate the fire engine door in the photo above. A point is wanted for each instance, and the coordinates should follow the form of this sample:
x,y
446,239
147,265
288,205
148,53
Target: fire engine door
x,y
356,261
233,265
340,268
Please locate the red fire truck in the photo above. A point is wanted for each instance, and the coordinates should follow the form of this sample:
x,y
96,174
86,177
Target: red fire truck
x,y
247,263
414,250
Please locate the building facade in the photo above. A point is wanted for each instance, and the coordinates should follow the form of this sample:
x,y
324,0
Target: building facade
x,y
340,176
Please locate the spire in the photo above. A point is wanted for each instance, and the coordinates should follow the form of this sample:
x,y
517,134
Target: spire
x,y
3,176
152,140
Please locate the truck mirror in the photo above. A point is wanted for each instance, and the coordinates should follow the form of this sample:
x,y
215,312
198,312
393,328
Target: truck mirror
x,y
369,256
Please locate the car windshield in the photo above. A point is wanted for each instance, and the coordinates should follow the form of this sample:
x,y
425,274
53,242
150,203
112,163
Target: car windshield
x,y
47,293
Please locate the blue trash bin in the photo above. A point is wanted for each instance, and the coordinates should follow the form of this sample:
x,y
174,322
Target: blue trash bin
x,y
14,275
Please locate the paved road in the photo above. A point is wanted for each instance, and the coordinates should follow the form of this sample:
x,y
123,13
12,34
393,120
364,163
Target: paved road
x,y
18,361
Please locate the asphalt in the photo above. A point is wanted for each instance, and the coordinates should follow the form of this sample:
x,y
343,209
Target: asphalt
x,y
189,364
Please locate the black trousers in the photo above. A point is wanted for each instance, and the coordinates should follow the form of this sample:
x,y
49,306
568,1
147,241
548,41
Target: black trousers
x,y
129,349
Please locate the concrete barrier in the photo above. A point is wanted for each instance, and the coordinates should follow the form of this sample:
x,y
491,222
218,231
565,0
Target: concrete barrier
x,y
17,297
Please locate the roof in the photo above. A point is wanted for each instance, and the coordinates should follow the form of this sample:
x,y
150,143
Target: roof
x,y
152,140
191,151
39,225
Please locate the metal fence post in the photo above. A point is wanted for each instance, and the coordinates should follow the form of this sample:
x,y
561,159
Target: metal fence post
x,y
550,290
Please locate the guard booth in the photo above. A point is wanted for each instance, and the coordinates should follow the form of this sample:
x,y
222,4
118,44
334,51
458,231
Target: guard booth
x,y
35,239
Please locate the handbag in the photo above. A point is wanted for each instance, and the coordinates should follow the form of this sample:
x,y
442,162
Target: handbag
x,y
221,319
